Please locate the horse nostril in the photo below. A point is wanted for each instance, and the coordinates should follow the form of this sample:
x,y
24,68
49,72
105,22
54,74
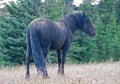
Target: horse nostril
x,y
94,33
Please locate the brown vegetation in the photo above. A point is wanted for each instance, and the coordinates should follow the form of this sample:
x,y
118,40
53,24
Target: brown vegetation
x,y
95,73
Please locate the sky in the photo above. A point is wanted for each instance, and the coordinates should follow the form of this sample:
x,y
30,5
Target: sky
x,y
76,2
4,1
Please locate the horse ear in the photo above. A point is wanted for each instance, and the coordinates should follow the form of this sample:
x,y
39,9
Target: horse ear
x,y
84,13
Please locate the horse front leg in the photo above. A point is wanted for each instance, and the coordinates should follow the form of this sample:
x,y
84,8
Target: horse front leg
x,y
59,61
64,52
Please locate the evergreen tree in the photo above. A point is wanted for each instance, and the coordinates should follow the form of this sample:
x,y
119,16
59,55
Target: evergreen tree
x,y
12,27
108,15
104,18
118,11
103,46
14,23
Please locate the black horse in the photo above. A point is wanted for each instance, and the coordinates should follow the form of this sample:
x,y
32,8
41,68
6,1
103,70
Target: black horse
x,y
44,35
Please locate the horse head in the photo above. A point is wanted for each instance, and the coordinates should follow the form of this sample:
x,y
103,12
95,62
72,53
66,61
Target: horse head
x,y
87,26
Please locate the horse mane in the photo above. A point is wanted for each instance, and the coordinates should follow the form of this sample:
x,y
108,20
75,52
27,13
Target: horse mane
x,y
72,20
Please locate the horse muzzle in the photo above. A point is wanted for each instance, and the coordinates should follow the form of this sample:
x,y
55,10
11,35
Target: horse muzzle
x,y
92,34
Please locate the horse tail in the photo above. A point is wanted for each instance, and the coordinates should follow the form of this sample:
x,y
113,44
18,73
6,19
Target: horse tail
x,y
36,49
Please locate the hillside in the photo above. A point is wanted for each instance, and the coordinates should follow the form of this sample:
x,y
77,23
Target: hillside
x,y
95,73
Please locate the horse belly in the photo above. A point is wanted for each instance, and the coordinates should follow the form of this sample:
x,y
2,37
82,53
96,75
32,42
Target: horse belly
x,y
57,44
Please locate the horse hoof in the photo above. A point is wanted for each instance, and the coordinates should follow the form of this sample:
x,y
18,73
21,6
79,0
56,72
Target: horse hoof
x,y
61,74
58,72
46,77
27,77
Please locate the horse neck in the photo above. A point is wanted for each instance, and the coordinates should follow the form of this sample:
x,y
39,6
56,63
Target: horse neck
x,y
68,24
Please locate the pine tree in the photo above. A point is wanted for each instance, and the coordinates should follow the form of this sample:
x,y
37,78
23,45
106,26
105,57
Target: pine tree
x,y
118,12
14,23
13,27
105,45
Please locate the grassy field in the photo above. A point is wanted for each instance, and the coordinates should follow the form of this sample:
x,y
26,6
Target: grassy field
x,y
92,73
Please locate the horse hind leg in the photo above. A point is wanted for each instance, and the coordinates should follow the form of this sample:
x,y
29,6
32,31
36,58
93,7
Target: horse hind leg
x,y
45,52
38,56
28,53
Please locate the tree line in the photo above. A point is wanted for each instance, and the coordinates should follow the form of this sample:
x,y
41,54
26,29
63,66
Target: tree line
x,y
105,17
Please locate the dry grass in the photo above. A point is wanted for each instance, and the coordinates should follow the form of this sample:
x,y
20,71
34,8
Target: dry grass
x,y
100,73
